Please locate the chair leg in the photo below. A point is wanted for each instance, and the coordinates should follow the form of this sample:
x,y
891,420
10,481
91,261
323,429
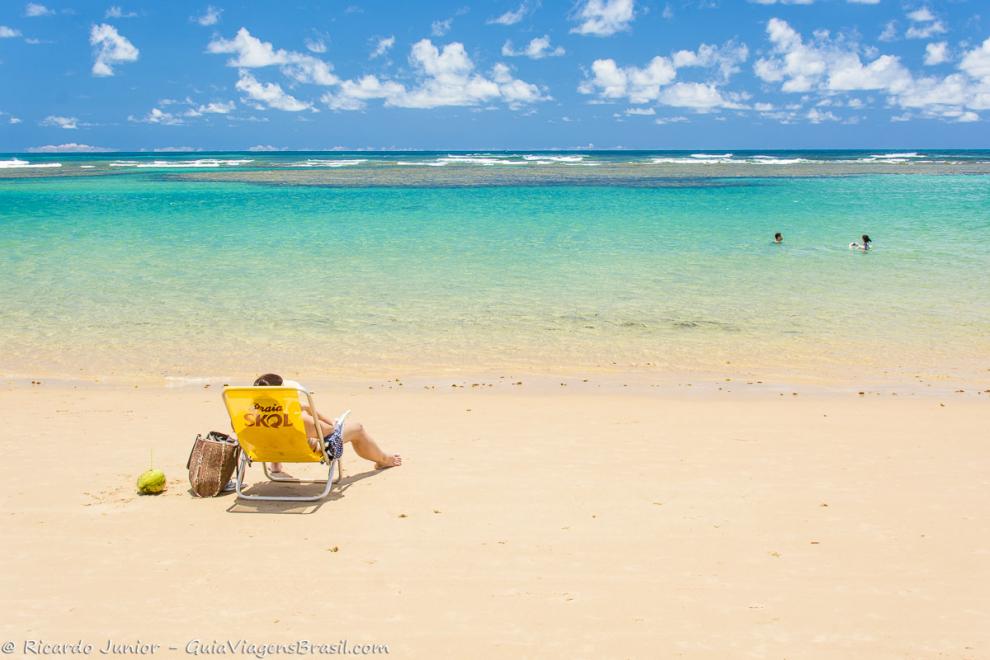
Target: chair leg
x,y
328,485
241,470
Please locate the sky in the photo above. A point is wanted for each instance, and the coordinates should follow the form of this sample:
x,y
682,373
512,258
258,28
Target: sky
x,y
493,74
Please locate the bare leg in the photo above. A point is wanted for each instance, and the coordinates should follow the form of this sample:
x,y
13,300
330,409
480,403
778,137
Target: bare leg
x,y
367,448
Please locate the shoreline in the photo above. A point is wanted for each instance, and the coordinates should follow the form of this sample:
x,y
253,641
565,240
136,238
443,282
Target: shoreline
x,y
542,383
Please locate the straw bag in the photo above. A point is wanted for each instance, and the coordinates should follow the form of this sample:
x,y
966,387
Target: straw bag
x,y
211,463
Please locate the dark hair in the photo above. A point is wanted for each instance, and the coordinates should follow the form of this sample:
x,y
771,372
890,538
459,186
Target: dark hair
x,y
778,235
268,379
867,239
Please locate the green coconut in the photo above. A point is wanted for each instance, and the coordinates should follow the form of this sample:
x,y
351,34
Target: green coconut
x,y
151,482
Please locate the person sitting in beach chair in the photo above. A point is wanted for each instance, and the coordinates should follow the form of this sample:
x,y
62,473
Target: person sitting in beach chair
x,y
339,432
276,421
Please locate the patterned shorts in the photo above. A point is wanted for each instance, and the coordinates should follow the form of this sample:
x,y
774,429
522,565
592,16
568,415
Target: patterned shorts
x,y
335,442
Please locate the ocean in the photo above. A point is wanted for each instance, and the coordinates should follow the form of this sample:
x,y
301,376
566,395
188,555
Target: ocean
x,y
389,264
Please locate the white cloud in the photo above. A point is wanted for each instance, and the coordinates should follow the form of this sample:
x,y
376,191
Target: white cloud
x,y
157,116
847,73
726,58
68,148
864,2
977,62
306,69
829,67
440,28
211,16
816,116
8,32
353,95
639,85
251,53
702,97
802,66
115,11
212,108
270,94
652,83
69,123
603,18
111,48
316,45
924,24
382,46
536,49
783,2
649,112
936,53
925,31
445,77
13,120
511,17
889,31
35,10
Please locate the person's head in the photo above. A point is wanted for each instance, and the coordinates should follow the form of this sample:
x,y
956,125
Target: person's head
x,y
866,239
268,380
778,237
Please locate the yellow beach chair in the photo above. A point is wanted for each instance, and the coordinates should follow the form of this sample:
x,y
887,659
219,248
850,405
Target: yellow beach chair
x,y
270,429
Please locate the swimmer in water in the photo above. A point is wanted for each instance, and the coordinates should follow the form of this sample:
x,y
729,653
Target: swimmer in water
x,y
778,238
865,247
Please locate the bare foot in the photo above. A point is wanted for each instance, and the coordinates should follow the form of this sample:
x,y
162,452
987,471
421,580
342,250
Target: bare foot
x,y
391,460
278,473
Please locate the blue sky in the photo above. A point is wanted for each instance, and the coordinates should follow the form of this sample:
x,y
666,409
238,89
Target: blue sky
x,y
510,74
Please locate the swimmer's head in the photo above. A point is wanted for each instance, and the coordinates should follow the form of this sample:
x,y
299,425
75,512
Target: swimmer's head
x,y
866,239
778,238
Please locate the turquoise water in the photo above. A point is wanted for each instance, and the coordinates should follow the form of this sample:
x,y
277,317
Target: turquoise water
x,y
157,273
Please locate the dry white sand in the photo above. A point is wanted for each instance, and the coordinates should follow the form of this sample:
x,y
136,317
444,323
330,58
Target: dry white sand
x,y
525,522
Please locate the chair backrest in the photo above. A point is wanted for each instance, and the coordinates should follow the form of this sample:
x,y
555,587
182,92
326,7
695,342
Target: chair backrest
x,y
269,425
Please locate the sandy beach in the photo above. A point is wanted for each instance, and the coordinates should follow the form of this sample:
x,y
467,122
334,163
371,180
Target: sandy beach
x,y
526,522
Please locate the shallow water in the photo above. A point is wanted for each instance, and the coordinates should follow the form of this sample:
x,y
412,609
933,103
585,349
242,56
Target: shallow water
x,y
147,271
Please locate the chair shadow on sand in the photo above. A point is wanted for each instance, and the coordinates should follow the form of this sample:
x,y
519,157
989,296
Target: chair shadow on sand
x,y
296,508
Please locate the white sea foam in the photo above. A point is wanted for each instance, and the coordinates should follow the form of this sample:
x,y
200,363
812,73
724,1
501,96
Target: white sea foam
x,y
709,156
18,164
905,157
426,163
693,160
909,154
87,167
544,160
773,160
322,162
479,160
181,164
